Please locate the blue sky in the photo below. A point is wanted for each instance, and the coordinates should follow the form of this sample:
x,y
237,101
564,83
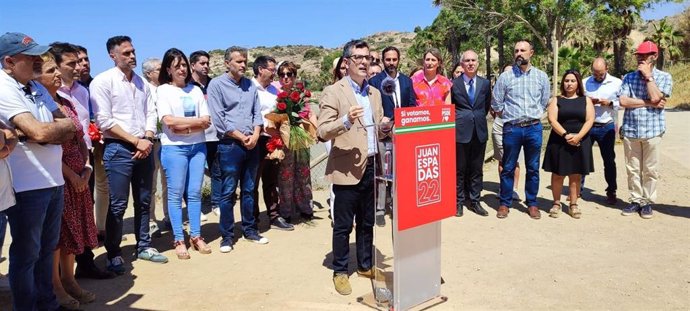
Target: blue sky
x,y
156,25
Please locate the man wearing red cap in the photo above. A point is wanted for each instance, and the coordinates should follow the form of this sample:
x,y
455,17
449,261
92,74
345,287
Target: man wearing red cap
x,y
643,95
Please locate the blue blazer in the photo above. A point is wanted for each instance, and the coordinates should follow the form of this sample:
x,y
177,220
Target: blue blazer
x,y
470,118
407,97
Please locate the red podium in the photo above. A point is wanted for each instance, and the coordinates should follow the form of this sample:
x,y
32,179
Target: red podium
x,y
423,193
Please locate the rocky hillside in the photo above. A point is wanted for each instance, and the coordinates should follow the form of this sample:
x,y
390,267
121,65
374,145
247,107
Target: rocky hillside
x,y
310,57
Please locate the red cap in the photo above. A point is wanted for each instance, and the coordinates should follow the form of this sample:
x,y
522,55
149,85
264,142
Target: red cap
x,y
647,47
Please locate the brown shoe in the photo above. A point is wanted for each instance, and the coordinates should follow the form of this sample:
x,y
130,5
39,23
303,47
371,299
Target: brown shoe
x,y
534,212
369,273
342,284
502,212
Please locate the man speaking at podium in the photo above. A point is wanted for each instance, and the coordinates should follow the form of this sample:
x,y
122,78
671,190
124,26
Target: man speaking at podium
x,y
349,111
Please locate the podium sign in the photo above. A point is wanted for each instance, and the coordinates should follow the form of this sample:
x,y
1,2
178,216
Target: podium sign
x,y
423,194
425,164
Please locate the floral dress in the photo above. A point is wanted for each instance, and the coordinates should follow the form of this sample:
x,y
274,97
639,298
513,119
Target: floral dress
x,y
78,229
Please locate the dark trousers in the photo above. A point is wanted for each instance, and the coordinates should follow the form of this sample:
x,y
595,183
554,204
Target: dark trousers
x,y
354,202
123,171
214,172
268,174
469,160
35,229
237,164
605,136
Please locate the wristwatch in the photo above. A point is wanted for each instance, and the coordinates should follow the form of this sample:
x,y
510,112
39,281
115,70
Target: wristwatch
x,y
565,134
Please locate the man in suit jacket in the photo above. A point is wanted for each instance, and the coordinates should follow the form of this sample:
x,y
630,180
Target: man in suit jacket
x,y
404,94
348,110
471,96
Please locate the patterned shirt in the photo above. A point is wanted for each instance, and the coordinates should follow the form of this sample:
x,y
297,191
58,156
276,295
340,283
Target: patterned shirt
x,y
521,96
431,93
644,122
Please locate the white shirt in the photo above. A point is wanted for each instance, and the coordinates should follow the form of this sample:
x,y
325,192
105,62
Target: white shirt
x,y
267,99
79,97
118,101
35,166
607,89
187,102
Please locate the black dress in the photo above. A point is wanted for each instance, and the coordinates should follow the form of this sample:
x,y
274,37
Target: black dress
x,y
560,157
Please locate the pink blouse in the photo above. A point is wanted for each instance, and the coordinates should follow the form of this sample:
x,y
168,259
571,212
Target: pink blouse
x,y
431,94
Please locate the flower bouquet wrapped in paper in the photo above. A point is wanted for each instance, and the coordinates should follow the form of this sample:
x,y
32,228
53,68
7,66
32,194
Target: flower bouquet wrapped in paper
x,y
291,118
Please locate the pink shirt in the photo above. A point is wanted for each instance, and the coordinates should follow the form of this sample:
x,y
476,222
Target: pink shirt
x,y
431,94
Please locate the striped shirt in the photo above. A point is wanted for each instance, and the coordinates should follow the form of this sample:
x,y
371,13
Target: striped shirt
x,y
521,96
644,122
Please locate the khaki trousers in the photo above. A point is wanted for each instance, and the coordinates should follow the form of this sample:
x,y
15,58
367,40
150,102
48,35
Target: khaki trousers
x,y
642,165
102,195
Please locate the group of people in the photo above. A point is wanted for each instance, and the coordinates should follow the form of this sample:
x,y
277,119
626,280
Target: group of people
x,y
74,146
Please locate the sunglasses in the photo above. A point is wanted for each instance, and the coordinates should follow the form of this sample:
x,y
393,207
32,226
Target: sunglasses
x,y
285,74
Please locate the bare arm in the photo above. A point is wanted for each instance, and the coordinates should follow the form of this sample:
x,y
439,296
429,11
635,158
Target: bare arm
x,y
56,132
552,113
629,102
10,139
180,125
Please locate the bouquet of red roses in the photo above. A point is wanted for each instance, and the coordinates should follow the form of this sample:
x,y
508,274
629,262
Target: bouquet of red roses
x,y
291,117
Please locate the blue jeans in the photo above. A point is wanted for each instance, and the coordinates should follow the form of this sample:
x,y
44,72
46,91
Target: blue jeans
x,y
35,228
184,170
236,164
514,138
605,136
123,171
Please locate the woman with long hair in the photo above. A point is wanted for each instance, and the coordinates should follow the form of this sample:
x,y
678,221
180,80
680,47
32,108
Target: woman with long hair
x,y
184,115
569,148
432,88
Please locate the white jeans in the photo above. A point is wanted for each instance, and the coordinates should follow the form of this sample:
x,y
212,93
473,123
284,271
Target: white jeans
x,y
642,165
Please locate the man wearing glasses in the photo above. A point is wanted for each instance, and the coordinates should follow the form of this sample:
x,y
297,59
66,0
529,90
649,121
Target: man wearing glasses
x,y
520,97
350,111
264,70
36,164
643,95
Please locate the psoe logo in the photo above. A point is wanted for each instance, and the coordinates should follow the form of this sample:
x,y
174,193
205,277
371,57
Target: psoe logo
x,y
428,179
445,113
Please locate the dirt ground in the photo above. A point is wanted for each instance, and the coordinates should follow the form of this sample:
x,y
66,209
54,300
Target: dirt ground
x,y
602,261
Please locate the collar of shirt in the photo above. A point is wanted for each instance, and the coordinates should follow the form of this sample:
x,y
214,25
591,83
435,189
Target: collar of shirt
x,y
232,80
397,75
519,71
364,89
467,79
270,88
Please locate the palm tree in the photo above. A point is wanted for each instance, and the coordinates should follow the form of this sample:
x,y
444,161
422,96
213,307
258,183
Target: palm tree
x,y
668,39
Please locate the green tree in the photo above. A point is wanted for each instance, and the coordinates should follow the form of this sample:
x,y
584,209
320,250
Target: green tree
x,y
668,39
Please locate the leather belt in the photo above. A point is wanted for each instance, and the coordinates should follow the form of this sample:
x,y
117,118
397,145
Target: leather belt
x,y
525,123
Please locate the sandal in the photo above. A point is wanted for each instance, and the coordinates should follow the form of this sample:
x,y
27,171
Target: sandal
x,y
181,250
574,211
84,296
199,245
555,210
68,302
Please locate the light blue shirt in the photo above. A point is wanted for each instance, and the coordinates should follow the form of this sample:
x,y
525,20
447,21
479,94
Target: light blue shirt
x,y
521,96
362,97
644,122
233,105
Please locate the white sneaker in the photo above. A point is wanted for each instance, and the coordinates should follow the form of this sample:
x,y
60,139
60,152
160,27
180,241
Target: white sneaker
x,y
203,217
225,249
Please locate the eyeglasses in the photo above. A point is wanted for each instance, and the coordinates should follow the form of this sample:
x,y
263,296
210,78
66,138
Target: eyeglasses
x,y
269,69
360,58
286,74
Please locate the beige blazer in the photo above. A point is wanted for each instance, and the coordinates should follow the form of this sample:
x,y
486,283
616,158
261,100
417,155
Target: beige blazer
x,y
348,157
